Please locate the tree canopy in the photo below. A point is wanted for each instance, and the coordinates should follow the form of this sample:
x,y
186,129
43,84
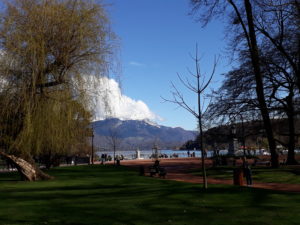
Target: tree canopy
x,y
265,37
49,48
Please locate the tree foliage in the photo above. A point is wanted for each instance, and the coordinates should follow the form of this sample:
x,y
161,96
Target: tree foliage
x,y
48,48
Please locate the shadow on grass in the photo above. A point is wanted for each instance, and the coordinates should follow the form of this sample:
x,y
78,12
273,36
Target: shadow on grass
x,y
109,195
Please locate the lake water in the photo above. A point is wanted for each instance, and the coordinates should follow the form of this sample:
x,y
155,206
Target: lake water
x,y
146,154
168,153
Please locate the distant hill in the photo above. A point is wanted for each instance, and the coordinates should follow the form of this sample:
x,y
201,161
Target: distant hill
x,y
139,134
251,131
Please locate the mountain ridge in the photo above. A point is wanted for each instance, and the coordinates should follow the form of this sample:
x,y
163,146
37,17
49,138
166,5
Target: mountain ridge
x,y
139,134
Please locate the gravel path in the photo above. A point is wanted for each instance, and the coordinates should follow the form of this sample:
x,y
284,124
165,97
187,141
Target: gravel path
x,y
177,169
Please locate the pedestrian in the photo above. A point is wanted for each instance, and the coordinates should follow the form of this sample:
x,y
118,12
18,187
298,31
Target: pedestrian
x,y
118,160
156,165
102,159
248,175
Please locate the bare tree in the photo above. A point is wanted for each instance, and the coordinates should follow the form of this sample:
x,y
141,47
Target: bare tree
x,y
199,86
242,17
114,141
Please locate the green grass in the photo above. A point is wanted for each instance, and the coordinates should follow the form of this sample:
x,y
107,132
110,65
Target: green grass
x,y
287,175
107,195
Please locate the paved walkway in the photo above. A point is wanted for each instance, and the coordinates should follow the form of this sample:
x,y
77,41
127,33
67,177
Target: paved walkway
x,y
178,170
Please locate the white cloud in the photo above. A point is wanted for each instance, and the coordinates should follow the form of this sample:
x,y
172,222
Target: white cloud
x,y
134,63
110,102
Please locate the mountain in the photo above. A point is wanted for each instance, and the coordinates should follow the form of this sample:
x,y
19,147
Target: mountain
x,y
141,134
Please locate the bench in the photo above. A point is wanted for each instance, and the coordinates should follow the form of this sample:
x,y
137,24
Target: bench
x,y
153,170
263,163
161,171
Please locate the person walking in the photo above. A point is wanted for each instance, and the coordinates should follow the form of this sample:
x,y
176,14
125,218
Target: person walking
x,y
248,175
102,158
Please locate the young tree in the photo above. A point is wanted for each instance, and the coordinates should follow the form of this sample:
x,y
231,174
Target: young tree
x,y
198,87
47,47
114,141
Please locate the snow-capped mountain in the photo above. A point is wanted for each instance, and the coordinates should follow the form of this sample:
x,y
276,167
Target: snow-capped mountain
x,y
140,134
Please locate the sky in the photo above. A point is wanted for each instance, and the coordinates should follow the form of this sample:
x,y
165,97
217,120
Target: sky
x,y
156,38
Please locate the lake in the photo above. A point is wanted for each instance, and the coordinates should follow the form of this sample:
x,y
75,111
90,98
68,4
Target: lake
x,y
146,154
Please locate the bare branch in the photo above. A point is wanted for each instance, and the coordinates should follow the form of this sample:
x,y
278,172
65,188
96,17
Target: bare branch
x,y
187,84
211,76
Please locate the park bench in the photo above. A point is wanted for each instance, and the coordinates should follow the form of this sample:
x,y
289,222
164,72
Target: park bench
x,y
263,163
161,171
153,170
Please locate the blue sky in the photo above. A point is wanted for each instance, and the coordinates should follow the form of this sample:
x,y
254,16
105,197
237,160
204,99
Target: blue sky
x,y
156,38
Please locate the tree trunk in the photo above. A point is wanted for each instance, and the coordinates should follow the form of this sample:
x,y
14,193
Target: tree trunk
x,y
259,85
291,146
200,126
297,71
27,170
202,155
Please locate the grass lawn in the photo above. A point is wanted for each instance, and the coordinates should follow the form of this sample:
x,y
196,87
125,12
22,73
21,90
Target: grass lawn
x,y
287,174
107,195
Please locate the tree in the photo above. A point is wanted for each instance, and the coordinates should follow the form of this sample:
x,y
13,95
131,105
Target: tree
x,y
278,22
114,141
281,93
47,49
242,16
279,89
236,96
198,87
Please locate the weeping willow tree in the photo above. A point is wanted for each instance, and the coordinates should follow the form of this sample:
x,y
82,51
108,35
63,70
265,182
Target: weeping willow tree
x,y
46,47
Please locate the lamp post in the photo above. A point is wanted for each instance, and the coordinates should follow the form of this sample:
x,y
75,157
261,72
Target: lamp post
x,y
92,136
233,131
232,143
243,136
155,152
92,158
